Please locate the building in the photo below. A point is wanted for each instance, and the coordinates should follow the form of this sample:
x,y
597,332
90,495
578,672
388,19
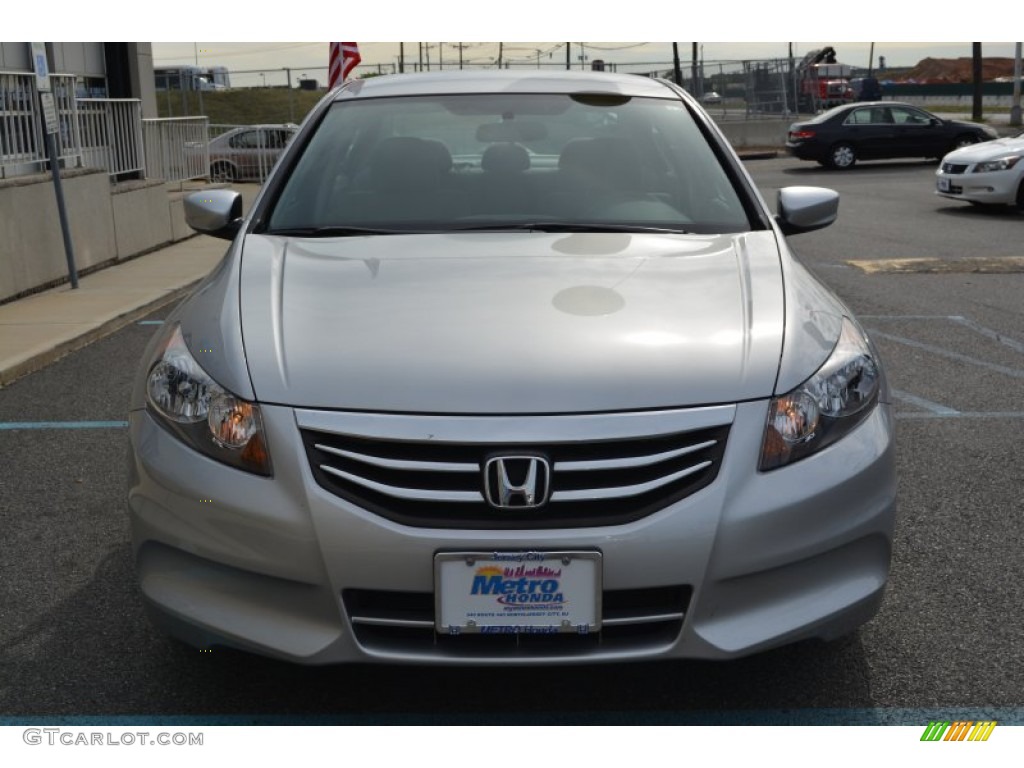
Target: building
x,y
103,96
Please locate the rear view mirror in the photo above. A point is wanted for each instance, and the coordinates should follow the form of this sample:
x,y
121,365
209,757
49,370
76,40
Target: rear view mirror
x,y
805,209
216,212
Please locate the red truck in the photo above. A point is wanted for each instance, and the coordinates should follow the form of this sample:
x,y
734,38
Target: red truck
x,y
821,82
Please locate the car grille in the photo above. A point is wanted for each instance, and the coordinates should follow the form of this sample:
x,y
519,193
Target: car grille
x,y
403,623
440,484
953,168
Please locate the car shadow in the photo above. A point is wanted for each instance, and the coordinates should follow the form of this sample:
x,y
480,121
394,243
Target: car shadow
x,y
862,167
967,211
94,654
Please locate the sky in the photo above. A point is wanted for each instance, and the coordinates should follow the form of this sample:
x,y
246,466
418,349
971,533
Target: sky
x,y
749,24
241,56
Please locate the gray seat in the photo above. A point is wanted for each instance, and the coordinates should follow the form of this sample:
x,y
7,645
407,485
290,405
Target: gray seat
x,y
505,186
596,173
405,179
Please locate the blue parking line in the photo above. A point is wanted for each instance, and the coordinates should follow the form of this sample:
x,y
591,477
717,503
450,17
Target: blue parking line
x,y
898,716
11,425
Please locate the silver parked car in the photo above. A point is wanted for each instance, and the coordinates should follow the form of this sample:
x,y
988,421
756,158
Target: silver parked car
x,y
248,152
509,367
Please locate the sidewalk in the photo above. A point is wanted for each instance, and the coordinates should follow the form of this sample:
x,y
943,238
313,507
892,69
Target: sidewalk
x,y
40,329
44,327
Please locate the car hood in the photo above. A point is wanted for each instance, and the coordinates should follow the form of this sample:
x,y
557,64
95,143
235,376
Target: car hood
x,y
976,153
512,322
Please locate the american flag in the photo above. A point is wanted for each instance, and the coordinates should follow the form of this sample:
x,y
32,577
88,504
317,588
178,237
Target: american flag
x,y
343,59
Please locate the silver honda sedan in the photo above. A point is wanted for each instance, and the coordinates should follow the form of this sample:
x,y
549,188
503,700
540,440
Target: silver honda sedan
x,y
510,368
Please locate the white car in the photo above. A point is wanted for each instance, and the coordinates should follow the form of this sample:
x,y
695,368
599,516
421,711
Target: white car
x,y
990,173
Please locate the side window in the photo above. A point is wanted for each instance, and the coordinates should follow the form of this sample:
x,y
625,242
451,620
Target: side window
x,y
859,117
245,140
905,116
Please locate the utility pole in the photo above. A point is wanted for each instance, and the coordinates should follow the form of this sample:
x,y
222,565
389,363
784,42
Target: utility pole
x,y
501,50
976,101
421,57
693,69
401,58
568,56
291,96
677,70
792,77
460,46
1015,109
440,56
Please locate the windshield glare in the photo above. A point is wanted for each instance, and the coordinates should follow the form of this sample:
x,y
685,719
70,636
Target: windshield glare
x,y
444,163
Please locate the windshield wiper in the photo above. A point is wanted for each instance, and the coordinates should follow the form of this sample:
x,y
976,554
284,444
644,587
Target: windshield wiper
x,y
337,231
568,226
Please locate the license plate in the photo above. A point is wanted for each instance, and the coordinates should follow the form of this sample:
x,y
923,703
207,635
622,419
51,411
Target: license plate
x,y
943,185
517,592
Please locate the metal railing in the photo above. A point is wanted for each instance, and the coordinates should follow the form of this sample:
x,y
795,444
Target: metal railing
x,y
91,133
177,148
110,134
22,142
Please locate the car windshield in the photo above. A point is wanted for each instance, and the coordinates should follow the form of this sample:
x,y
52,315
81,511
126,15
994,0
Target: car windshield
x,y
507,161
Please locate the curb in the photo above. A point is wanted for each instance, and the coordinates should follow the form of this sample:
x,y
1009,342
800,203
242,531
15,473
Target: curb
x,y
41,360
760,155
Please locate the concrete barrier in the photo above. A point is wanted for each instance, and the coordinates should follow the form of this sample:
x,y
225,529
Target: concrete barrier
x,y
756,133
108,223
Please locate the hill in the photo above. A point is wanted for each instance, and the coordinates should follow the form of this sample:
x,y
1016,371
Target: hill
x,y
240,106
959,70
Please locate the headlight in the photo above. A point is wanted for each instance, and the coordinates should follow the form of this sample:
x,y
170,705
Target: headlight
x,y
1000,164
826,406
183,397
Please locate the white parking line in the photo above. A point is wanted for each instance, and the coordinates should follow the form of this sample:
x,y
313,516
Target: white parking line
x,y
989,333
1016,373
928,405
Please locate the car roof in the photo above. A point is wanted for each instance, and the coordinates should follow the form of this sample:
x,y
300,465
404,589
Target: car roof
x,y
884,104
504,81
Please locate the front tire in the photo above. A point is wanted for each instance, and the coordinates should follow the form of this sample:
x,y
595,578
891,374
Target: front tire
x,y
842,156
1020,196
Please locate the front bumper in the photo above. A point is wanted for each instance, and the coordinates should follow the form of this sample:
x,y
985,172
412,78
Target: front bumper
x,y
996,188
282,567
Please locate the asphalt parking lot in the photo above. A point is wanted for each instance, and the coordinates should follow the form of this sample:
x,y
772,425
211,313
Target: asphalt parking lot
x,y
947,643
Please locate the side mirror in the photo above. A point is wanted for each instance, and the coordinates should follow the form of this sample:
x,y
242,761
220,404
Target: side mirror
x,y
217,212
805,209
